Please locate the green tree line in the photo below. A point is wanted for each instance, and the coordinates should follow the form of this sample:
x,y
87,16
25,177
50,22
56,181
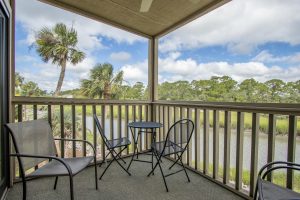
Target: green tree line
x,y
103,83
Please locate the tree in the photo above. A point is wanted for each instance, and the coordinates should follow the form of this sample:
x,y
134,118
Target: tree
x,y
19,80
31,89
216,89
276,89
179,90
252,91
58,45
103,83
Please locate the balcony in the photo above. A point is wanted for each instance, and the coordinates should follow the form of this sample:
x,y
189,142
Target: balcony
x,y
225,153
219,153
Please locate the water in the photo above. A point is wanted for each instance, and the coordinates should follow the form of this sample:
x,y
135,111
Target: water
x,y
281,144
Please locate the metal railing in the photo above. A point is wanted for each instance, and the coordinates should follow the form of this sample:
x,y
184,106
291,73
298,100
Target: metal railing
x,y
204,152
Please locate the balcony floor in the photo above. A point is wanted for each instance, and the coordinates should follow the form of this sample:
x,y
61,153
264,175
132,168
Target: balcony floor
x,y
116,184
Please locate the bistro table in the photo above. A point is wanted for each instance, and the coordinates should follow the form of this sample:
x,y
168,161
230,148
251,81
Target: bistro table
x,y
144,127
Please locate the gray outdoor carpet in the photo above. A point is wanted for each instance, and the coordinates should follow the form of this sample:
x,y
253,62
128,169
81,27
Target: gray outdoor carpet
x,y
116,184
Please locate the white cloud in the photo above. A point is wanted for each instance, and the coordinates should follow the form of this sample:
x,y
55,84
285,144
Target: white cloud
x,y
265,56
240,26
33,15
188,69
136,72
121,56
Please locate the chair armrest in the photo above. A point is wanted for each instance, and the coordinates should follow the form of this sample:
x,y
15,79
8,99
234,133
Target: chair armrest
x,y
42,156
281,163
77,140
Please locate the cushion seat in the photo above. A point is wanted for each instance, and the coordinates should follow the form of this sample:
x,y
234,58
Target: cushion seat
x,y
56,168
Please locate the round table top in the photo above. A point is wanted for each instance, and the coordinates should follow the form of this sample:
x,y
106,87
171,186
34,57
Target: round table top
x,y
145,125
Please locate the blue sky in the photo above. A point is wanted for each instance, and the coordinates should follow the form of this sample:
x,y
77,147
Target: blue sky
x,y
243,39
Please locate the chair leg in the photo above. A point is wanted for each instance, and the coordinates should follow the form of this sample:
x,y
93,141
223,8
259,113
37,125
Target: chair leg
x,y
55,183
162,173
119,162
71,187
104,159
96,173
185,171
105,170
132,157
153,168
174,163
119,157
24,189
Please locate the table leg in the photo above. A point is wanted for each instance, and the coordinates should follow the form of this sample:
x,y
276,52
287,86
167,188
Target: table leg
x,y
134,147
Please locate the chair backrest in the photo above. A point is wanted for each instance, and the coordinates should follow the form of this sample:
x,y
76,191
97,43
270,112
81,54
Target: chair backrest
x,y
181,132
100,129
32,137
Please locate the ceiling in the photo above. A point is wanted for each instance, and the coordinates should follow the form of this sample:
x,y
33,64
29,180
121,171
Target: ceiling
x,y
162,17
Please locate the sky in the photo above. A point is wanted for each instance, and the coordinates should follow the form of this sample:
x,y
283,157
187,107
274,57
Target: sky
x,y
242,39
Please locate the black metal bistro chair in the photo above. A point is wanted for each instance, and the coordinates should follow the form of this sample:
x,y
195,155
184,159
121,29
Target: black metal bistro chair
x,y
34,144
111,145
176,142
266,190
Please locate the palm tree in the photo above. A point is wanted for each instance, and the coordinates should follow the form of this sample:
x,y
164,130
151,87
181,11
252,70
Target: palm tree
x,y
103,83
59,46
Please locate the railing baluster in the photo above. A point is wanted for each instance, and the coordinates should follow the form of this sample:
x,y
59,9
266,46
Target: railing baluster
x,y
20,119
126,126
227,136
20,112
190,147
94,128
146,135
205,141
111,122
119,122
254,152
62,131
177,116
197,139
215,144
161,119
34,111
142,134
35,118
134,119
50,115
239,150
271,141
291,149
104,129
84,129
74,130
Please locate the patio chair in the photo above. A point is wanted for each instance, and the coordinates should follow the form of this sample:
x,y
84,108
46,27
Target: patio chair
x,y
266,190
111,145
176,142
34,143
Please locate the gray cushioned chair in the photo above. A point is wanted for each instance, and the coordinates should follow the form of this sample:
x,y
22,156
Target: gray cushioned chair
x,y
266,190
34,144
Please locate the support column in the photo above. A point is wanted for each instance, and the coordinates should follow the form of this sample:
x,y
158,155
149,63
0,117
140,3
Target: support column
x,y
152,73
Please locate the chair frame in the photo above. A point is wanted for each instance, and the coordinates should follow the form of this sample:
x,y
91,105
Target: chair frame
x,y
112,152
70,174
267,169
179,155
